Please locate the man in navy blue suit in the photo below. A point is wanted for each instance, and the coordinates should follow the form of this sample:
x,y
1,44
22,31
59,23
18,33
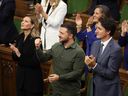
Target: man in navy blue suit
x,y
105,61
8,30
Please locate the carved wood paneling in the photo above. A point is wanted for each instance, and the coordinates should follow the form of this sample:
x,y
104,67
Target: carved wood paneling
x,y
8,72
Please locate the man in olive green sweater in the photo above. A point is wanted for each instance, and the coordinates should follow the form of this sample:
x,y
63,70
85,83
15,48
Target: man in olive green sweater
x,y
68,62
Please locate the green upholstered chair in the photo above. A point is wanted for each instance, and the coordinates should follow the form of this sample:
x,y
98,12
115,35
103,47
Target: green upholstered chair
x,y
124,12
126,91
17,23
75,6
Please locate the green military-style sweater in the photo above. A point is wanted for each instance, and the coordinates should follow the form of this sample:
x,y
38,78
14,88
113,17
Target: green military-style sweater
x,y
68,63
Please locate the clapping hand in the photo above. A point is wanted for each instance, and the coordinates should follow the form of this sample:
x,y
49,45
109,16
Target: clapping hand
x,y
16,50
53,77
90,21
90,61
78,19
124,28
37,43
38,8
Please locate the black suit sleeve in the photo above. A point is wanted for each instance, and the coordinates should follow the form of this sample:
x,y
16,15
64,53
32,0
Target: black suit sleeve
x,y
7,10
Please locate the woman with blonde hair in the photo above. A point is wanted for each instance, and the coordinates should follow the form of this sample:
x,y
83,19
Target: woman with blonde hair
x,y
29,80
51,13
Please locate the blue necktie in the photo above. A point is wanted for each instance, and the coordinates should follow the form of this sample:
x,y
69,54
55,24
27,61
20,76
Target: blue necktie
x,y
101,49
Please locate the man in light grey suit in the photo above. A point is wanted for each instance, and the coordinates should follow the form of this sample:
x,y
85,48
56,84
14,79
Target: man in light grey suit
x,y
105,62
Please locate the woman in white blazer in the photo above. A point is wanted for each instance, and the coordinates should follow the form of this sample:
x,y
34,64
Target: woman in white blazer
x,y
51,20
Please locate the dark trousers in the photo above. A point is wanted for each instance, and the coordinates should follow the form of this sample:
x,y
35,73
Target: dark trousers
x,y
27,93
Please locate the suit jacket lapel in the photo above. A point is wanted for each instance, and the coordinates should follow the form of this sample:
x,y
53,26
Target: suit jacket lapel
x,y
106,50
95,50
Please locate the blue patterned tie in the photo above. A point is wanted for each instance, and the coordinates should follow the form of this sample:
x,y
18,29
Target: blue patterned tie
x,y
101,49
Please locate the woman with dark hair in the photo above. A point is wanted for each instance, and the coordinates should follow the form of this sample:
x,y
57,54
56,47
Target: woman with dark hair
x,y
113,5
29,80
88,35
123,42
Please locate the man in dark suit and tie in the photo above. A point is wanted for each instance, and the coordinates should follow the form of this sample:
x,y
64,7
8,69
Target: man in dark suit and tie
x,y
105,62
8,30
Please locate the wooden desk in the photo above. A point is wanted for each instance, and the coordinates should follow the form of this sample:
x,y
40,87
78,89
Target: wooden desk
x,y
7,73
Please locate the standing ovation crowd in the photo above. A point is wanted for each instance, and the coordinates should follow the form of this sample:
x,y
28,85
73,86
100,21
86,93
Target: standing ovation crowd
x,y
57,41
